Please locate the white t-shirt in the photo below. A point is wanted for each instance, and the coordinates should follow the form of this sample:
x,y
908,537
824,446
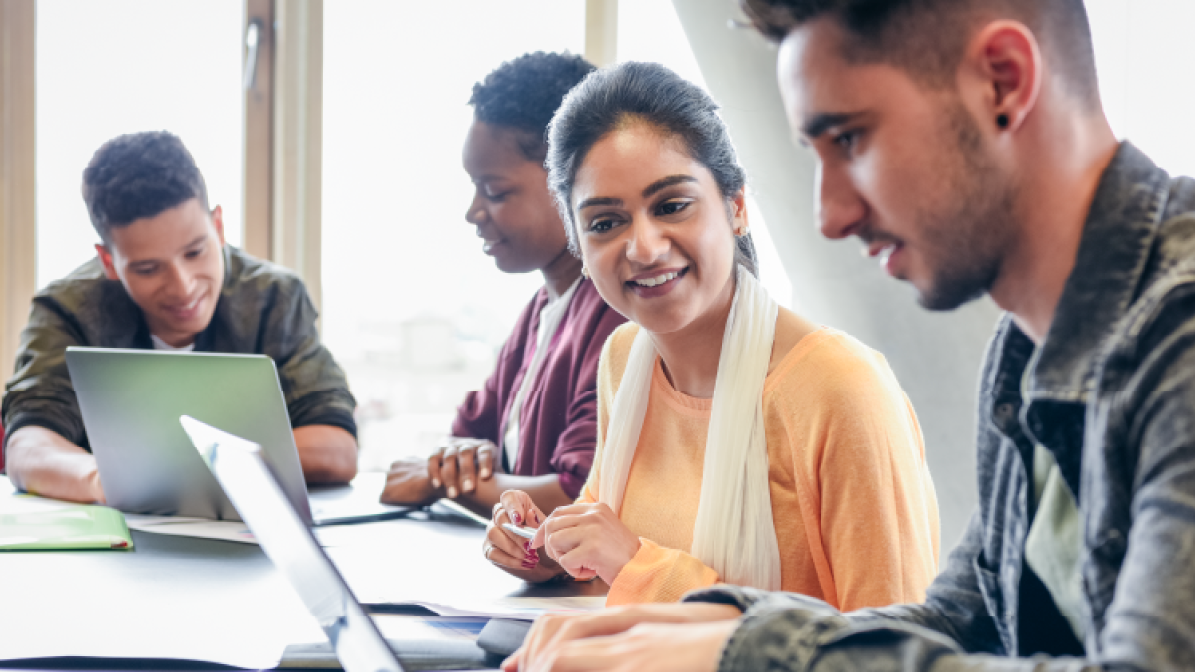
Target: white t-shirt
x,y
159,344
550,317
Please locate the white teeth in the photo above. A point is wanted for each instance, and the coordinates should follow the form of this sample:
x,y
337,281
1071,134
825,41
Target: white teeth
x,y
885,253
658,280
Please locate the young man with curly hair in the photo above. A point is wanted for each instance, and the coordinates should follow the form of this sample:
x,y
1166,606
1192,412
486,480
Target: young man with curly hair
x,y
164,279
963,142
533,427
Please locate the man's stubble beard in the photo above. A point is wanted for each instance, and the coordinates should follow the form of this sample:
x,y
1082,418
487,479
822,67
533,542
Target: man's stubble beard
x,y
965,241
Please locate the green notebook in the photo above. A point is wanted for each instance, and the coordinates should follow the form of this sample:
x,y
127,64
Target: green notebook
x,y
68,528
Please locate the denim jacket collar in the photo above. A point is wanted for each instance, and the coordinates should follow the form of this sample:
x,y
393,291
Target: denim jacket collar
x,y
1117,238
1027,381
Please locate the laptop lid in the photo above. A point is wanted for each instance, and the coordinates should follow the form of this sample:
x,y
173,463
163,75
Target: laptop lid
x,y
254,489
131,401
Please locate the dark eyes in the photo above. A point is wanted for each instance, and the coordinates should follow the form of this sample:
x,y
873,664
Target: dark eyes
x,y
671,207
668,208
847,140
190,255
601,225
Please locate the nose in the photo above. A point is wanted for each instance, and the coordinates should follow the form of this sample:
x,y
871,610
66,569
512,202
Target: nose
x,y
180,282
647,243
840,209
475,215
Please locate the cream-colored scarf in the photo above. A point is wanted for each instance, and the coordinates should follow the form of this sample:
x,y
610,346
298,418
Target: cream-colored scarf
x,y
734,533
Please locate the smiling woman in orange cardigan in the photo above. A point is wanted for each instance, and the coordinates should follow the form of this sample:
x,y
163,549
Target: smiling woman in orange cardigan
x,y
658,212
854,508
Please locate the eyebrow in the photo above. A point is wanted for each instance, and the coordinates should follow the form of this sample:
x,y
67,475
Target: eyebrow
x,y
820,123
651,189
198,239
665,183
591,202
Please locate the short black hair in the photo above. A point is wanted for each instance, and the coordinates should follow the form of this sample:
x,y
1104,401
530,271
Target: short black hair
x,y
926,38
139,175
522,94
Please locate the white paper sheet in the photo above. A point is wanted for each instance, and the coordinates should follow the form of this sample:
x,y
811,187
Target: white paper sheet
x,y
520,608
224,530
230,530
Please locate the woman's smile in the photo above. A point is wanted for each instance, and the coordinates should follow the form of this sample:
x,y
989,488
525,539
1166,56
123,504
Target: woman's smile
x,y
657,283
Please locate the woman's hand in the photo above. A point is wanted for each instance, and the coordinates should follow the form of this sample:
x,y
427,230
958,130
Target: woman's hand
x,y
587,540
514,553
408,484
460,463
453,469
638,637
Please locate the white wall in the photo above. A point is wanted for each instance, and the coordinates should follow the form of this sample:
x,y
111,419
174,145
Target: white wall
x,y
935,356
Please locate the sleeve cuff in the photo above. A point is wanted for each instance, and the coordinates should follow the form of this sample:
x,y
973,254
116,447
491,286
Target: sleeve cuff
x,y
571,484
778,632
332,416
730,595
35,420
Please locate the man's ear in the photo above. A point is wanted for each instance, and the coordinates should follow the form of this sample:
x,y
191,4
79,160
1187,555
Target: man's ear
x,y
1004,60
106,259
218,222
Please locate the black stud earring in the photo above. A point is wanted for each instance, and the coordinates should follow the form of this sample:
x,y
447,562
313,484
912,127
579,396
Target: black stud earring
x,y
1002,121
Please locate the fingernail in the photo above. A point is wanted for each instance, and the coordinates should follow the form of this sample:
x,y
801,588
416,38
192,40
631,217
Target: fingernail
x,y
435,482
517,518
467,485
527,546
451,491
485,473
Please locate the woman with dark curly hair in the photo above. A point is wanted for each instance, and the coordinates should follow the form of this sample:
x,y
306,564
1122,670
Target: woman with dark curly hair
x,y
533,427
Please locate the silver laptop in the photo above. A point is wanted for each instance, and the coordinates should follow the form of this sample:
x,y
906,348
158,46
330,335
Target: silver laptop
x,y
131,401
253,486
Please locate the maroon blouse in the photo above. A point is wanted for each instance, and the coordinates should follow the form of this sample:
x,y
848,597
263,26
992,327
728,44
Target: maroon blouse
x,y
558,423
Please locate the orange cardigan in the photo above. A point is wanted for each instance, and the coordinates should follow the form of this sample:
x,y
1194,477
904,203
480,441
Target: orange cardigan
x,y
855,511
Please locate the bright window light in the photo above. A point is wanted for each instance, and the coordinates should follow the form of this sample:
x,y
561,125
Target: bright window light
x,y
1144,55
124,66
413,309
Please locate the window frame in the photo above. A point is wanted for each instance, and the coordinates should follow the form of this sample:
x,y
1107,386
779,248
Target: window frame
x,y
18,199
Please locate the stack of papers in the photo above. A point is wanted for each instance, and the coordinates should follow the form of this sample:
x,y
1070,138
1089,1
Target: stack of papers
x,y
517,608
202,528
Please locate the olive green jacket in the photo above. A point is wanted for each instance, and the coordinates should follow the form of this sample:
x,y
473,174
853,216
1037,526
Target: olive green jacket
x,y
263,309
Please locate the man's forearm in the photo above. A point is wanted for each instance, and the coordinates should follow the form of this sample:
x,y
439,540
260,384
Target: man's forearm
x,y
43,462
782,631
328,454
544,490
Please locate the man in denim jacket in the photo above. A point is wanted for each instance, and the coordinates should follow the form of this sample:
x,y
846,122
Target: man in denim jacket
x,y
963,142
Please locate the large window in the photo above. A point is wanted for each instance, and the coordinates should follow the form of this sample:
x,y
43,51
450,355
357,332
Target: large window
x,y
1145,58
412,308
123,66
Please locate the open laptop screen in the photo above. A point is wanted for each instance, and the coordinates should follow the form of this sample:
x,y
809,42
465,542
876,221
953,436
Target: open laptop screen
x,y
250,483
